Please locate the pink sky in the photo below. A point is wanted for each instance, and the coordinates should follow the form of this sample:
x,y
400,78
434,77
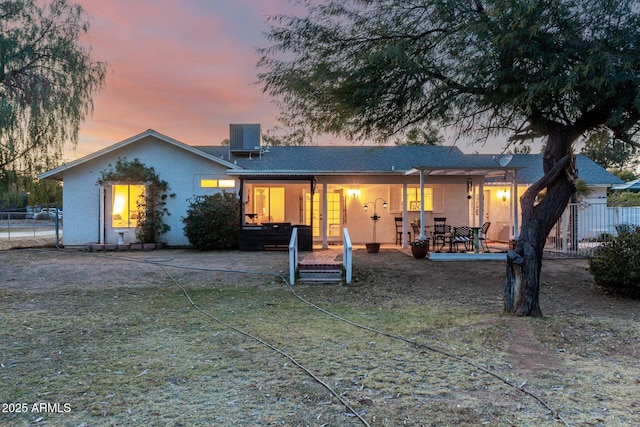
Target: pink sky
x,y
185,68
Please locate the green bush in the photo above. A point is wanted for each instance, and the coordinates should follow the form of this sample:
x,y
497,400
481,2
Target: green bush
x,y
616,264
212,222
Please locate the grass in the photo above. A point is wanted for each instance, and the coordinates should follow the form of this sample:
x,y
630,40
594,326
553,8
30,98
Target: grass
x,y
139,354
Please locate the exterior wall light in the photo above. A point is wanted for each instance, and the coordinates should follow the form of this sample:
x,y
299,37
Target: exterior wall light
x,y
353,193
503,195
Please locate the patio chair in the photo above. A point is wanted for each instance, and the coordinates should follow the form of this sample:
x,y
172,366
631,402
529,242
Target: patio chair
x,y
398,221
482,238
441,231
462,235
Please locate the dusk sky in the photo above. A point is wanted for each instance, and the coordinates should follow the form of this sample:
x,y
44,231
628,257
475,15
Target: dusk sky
x,y
185,68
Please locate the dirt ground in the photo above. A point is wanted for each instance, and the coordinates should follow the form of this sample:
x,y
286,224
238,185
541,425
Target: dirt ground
x,y
567,288
566,285
581,322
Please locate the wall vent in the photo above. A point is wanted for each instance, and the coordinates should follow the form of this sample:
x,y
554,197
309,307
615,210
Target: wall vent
x,y
244,138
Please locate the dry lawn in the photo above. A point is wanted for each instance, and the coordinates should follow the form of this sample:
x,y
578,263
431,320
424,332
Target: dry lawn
x,y
112,336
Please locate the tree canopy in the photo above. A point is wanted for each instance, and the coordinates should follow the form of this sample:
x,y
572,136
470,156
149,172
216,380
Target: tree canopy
x,y
608,152
371,68
47,79
527,69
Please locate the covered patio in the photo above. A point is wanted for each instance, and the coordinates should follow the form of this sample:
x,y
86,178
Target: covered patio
x,y
377,205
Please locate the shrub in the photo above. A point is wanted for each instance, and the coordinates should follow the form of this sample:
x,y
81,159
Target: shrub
x,y
212,222
616,263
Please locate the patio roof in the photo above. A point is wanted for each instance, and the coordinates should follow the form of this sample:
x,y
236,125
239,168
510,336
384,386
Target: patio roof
x,y
462,171
631,185
361,160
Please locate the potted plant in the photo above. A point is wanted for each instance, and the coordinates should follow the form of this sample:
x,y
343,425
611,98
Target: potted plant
x,y
374,247
420,248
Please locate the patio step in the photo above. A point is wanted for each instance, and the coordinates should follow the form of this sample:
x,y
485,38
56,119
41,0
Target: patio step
x,y
320,273
320,267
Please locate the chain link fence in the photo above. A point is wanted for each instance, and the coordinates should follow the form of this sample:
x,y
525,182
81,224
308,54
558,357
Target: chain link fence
x,y
33,226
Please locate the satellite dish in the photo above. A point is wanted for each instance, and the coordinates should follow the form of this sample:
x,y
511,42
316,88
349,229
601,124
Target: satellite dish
x,y
505,160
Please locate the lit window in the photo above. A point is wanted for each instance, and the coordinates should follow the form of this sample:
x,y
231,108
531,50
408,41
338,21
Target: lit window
x,y
209,183
269,204
217,183
125,205
413,199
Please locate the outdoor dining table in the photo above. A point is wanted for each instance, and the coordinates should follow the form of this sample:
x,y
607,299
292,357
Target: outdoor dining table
x,y
466,238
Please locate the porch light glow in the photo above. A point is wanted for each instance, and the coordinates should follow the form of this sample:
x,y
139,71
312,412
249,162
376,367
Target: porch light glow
x,y
503,195
353,193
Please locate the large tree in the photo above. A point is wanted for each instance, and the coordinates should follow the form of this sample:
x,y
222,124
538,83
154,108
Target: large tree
x,y
609,152
554,69
47,79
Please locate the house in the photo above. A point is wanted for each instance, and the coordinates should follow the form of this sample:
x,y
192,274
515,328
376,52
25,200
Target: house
x,y
598,180
320,189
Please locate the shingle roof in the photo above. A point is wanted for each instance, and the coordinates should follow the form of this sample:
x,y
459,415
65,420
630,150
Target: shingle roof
x,y
384,159
589,171
344,158
373,160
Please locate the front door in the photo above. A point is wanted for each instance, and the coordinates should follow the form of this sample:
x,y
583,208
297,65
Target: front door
x,y
333,221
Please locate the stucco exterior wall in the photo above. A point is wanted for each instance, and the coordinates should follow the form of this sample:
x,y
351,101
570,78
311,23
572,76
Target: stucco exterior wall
x,y
180,168
81,203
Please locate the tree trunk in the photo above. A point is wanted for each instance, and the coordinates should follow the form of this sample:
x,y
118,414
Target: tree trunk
x,y
539,215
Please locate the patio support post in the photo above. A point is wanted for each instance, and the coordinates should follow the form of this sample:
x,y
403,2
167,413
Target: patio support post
x,y
242,205
324,221
405,226
480,204
516,200
422,236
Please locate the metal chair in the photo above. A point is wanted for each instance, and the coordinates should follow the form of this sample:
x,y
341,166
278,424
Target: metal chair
x,y
398,221
441,231
482,238
462,235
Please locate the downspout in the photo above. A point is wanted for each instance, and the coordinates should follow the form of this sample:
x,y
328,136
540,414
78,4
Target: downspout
x,y
101,215
57,227
242,205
